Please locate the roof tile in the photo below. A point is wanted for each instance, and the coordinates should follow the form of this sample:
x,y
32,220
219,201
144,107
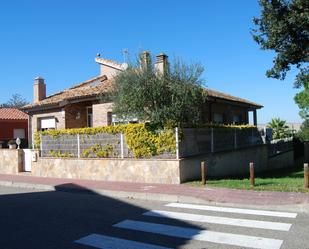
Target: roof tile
x,y
12,114
101,84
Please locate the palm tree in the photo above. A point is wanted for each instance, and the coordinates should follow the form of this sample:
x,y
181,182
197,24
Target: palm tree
x,y
280,128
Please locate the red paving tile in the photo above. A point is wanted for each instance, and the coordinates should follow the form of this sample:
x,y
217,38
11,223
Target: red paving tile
x,y
222,195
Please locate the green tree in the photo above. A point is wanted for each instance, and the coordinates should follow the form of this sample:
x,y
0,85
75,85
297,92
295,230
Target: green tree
x,y
280,129
303,134
174,97
284,28
302,100
16,101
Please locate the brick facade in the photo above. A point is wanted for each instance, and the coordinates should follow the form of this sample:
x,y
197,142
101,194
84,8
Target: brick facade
x,y
73,116
76,115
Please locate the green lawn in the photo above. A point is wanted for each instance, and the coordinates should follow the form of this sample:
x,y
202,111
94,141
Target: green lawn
x,y
287,180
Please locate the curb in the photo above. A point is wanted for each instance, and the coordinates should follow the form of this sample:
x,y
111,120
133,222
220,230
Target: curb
x,y
300,208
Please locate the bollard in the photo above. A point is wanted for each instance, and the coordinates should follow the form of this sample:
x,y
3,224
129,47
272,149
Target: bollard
x,y
306,176
251,174
203,173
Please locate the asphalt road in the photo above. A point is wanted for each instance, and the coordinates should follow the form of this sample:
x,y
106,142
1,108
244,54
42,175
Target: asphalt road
x,y
32,219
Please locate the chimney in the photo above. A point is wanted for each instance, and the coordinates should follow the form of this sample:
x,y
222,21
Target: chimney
x,y
39,89
161,65
145,59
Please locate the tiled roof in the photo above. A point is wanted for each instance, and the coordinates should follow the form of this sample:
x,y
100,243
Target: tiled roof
x,y
216,94
12,114
101,84
89,88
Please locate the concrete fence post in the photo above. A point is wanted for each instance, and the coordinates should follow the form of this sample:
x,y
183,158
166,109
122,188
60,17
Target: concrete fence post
x,y
203,173
306,176
32,141
78,146
212,140
251,167
235,138
41,145
121,146
177,142
252,136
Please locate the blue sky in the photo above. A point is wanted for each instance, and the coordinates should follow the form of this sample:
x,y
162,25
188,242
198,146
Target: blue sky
x,y
58,40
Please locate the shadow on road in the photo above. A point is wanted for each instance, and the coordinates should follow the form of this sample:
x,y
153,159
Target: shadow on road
x,y
55,219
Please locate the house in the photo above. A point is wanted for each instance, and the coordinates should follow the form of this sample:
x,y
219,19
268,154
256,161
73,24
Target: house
x,y
80,106
13,124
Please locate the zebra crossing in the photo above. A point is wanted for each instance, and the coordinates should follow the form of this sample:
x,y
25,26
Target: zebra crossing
x,y
187,213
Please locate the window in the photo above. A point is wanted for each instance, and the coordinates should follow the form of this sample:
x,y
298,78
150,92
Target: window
x,y
236,119
19,133
218,118
89,116
47,123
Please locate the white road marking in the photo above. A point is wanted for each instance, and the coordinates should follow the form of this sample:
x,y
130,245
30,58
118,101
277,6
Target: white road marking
x,y
220,220
233,210
202,235
107,242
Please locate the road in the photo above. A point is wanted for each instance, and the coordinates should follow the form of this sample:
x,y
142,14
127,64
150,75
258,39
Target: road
x,y
32,219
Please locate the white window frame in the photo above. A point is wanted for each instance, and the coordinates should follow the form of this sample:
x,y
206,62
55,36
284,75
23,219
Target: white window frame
x,y
49,127
18,135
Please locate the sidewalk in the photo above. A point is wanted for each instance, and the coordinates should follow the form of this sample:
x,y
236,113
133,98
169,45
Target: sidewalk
x,y
166,192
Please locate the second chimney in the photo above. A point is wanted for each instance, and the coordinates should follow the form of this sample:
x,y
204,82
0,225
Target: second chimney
x,y
161,65
39,89
145,59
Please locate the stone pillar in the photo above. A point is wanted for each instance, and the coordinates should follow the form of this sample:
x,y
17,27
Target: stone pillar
x,y
254,118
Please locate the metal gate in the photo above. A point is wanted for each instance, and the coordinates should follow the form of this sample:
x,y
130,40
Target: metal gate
x,y
27,160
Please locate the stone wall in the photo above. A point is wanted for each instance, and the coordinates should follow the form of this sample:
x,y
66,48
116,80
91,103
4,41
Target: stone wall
x,y
229,163
281,160
11,161
234,163
128,170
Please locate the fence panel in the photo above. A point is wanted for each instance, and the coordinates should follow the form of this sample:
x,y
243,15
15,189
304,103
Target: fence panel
x,y
194,142
92,146
210,140
248,137
101,145
223,139
65,145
